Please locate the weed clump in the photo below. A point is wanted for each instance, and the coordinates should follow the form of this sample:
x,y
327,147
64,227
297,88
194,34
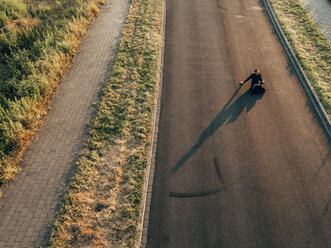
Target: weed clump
x,y
12,10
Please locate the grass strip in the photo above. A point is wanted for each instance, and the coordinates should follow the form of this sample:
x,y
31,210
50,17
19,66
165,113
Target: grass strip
x,y
311,47
38,40
102,203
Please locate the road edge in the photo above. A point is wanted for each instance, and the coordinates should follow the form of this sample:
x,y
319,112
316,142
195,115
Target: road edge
x,y
143,222
316,104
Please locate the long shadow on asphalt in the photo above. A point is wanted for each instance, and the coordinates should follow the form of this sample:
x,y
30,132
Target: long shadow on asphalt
x,y
228,115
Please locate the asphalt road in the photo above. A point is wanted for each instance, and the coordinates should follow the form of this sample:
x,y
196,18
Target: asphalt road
x,y
234,169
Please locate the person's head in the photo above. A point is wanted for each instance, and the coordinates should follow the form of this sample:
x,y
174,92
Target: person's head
x,y
257,71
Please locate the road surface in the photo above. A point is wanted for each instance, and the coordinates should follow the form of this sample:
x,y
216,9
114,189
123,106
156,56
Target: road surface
x,y
233,169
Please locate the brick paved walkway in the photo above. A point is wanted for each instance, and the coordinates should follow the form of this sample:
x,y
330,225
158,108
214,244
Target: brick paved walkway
x,y
320,12
29,203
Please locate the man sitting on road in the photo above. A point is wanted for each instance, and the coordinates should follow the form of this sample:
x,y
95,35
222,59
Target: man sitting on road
x,y
256,78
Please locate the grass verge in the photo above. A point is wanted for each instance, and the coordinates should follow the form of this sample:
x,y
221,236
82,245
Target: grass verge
x,y
38,40
310,45
102,203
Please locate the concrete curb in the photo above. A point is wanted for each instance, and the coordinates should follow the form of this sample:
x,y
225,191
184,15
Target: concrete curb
x,y
317,106
143,222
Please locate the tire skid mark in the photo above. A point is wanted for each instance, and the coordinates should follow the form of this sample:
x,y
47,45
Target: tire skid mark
x,y
321,167
327,205
196,194
218,170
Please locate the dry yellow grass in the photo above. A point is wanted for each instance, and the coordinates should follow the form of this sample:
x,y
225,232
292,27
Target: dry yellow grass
x,y
20,23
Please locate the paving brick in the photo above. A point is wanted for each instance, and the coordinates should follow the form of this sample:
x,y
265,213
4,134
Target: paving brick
x,y
11,240
20,236
31,244
25,224
5,222
4,236
17,244
23,213
16,231
10,226
25,241
29,202
39,242
144,241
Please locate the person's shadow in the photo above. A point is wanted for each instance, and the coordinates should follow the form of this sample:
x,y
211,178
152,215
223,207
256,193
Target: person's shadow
x,y
229,113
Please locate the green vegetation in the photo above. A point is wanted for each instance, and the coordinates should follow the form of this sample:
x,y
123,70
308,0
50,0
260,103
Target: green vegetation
x,y
101,207
37,42
11,10
310,45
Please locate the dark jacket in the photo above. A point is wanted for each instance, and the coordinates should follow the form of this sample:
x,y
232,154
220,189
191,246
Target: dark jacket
x,y
255,79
